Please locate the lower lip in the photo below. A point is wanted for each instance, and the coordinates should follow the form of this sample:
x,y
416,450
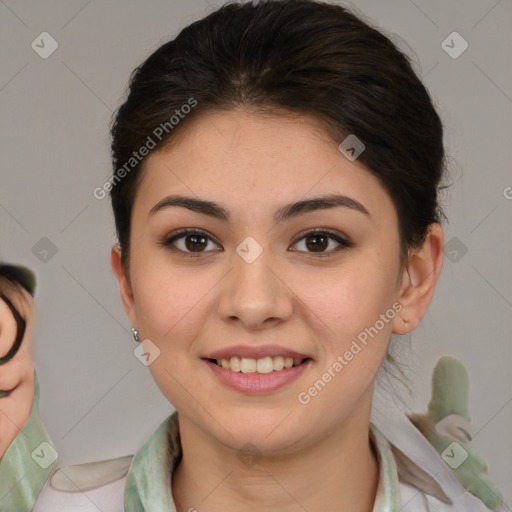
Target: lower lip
x,y
258,383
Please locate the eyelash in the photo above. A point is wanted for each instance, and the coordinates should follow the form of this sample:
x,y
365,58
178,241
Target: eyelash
x,y
182,233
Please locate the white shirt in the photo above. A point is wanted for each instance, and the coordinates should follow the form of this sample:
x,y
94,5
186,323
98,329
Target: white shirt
x,y
146,484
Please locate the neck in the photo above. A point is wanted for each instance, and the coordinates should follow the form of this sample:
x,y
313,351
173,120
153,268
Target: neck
x,y
340,472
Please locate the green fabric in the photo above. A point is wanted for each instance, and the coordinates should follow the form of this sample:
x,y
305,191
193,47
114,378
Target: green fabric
x,y
450,389
388,492
21,477
148,483
147,487
450,396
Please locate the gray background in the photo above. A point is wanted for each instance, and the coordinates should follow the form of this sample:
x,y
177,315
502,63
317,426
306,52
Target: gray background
x,y
98,400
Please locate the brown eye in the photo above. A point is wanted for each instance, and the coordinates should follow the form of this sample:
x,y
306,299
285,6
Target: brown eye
x,y
195,242
317,242
189,241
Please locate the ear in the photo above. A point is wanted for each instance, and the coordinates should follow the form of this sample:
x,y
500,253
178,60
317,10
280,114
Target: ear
x,y
419,280
125,287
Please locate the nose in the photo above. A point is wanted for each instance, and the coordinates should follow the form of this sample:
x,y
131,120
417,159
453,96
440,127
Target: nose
x,y
255,294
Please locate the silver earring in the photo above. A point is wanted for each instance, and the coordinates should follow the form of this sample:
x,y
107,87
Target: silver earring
x,y
135,334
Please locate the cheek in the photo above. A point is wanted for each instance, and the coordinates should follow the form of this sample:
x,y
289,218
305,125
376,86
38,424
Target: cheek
x,y
344,302
15,408
160,292
14,413
168,315
8,331
345,316
171,307
18,370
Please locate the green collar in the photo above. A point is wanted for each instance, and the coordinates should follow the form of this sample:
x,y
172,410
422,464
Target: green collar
x,y
388,493
27,462
148,483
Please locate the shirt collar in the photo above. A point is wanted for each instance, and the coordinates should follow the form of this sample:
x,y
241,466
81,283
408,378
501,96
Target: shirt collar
x,y
27,462
388,493
148,483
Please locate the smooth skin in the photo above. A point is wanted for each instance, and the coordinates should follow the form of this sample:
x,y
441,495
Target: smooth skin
x,y
316,456
17,375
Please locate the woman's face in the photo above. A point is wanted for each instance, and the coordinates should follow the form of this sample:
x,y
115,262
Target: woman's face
x,y
17,374
257,285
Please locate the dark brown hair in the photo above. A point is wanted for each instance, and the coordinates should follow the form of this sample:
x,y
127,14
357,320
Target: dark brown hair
x,y
301,56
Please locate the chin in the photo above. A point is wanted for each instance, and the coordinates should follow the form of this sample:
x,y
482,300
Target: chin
x,y
268,431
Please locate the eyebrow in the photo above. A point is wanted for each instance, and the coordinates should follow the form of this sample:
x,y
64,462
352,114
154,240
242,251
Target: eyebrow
x,y
281,215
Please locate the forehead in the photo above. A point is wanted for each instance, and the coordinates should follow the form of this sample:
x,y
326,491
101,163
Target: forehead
x,y
242,157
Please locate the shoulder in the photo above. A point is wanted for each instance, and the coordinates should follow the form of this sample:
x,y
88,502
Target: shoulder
x,y
90,486
116,484
425,482
417,500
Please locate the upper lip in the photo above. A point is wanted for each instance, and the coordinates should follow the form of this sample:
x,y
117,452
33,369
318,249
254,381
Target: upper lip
x,y
253,352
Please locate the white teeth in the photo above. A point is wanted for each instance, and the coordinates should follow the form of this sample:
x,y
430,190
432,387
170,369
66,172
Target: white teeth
x,y
234,364
278,363
263,365
247,365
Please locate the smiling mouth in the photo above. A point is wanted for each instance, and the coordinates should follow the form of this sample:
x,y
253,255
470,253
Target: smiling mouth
x,y
263,365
